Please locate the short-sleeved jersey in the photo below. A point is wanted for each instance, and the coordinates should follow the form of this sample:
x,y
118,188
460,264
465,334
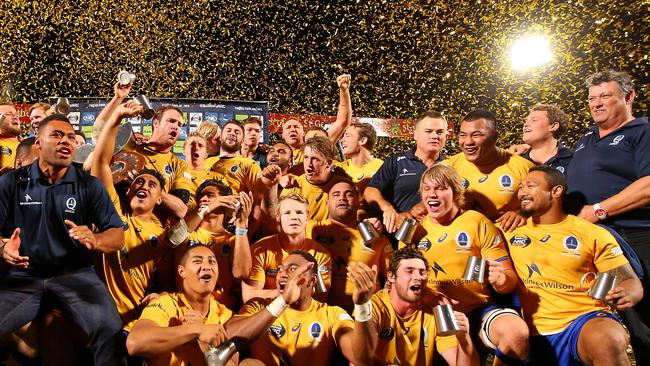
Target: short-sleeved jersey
x,y
316,195
299,337
227,291
345,245
240,172
298,156
128,272
398,179
406,341
196,177
268,254
447,248
603,167
168,311
167,164
491,190
551,260
559,161
8,148
361,174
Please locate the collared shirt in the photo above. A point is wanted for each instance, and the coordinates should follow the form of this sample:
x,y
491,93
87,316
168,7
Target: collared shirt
x,y
398,179
559,161
38,208
603,167
260,157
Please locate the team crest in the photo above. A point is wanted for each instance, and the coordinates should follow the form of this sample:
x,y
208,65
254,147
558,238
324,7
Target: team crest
x,y
442,238
168,169
277,330
234,168
505,181
465,183
387,333
483,179
571,243
462,240
424,245
316,330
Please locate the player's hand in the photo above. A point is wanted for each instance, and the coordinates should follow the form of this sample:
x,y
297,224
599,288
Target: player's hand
x,y
127,110
496,273
519,149
270,176
463,324
587,213
212,334
511,220
375,224
344,81
619,298
223,202
11,251
295,281
122,91
82,234
390,220
419,211
246,200
192,317
364,279
149,298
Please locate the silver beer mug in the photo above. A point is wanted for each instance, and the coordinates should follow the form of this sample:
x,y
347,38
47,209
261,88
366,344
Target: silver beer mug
x,y
406,231
219,356
319,286
603,284
125,78
368,233
446,323
147,109
475,269
62,106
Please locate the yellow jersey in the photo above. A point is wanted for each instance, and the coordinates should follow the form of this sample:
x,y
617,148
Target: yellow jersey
x,y
299,337
8,148
167,164
240,172
406,341
551,260
268,254
345,245
228,290
491,190
298,156
168,311
128,272
361,174
316,195
196,178
447,248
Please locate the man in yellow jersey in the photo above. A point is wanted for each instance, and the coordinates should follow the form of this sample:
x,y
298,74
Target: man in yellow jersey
x,y
232,250
293,131
195,151
295,329
339,234
176,328
453,236
405,327
280,154
36,113
552,254
9,133
358,141
268,253
490,175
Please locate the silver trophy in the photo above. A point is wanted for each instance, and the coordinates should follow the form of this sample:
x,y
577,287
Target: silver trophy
x,y
125,78
475,269
603,284
406,231
147,109
368,233
446,323
219,356
62,106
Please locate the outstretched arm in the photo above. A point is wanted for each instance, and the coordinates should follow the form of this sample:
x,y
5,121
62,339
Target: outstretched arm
x,y
344,114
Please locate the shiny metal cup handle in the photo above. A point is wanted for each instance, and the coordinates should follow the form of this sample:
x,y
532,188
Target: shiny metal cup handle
x,y
584,277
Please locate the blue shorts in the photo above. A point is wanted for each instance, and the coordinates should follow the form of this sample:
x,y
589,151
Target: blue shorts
x,y
562,348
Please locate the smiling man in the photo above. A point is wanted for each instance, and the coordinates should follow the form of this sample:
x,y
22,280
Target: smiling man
x,y
9,132
544,126
358,141
196,152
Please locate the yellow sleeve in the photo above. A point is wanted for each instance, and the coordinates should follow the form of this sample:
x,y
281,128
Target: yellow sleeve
x,y
180,180
340,320
445,343
115,198
258,273
492,242
160,311
607,253
251,308
380,314
252,177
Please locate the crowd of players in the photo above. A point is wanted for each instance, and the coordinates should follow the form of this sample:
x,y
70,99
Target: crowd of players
x,y
259,246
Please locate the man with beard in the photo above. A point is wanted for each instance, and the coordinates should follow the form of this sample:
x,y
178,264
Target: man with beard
x,y
9,133
358,141
340,235
251,147
196,152
552,254
405,327
47,209
280,154
490,175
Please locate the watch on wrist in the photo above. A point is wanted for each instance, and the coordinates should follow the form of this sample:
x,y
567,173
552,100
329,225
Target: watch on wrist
x,y
599,212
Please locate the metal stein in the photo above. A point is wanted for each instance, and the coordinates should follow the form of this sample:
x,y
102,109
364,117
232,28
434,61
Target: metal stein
x,y
603,284
219,356
147,109
125,78
319,286
406,231
368,233
446,323
62,106
475,269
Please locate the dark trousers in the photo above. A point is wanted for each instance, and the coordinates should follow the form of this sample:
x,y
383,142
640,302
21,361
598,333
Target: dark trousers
x,y
81,295
637,319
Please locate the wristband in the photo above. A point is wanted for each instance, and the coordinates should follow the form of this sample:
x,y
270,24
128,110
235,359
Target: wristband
x,y
203,210
362,313
239,231
277,306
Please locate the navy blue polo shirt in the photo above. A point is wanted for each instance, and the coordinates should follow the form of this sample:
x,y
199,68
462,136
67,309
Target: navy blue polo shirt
x,y
38,208
603,167
559,161
398,179
260,157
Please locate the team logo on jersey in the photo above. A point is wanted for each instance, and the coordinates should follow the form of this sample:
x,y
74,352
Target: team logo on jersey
x,y
462,240
465,183
277,330
582,146
387,333
424,245
616,140
234,168
437,269
442,238
271,272
571,243
520,241
360,177
153,240
560,169
505,181
532,268
168,169
316,330
616,251
5,150
483,179
225,249
325,239
545,238
295,327
70,205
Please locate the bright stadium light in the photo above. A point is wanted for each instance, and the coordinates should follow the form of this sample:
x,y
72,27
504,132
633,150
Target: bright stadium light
x,y
530,52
